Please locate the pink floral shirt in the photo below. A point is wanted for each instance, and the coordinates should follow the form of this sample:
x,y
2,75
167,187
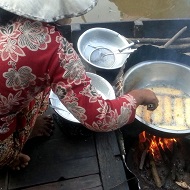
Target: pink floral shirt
x,y
35,56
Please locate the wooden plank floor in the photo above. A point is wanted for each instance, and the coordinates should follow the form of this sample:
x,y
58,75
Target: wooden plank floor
x,y
63,163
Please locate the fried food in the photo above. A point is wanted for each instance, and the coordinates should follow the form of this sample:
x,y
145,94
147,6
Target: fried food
x,y
173,111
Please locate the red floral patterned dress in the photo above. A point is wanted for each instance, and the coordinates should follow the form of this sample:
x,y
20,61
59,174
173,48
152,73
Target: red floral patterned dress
x,y
34,57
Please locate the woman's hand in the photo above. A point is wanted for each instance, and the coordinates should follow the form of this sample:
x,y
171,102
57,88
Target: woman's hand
x,y
145,97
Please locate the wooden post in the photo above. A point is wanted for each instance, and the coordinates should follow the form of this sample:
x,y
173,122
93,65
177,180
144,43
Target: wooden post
x,y
138,29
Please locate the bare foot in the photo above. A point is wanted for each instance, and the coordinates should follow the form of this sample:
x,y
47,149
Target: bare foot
x,y
43,127
20,162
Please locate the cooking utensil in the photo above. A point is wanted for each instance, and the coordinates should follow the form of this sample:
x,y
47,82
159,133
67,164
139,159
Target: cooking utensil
x,y
119,50
99,58
160,53
158,73
105,57
150,107
102,38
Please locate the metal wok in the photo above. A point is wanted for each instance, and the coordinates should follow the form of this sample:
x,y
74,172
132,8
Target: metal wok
x,y
153,73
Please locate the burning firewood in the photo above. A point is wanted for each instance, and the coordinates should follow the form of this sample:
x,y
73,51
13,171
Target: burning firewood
x,y
143,157
154,171
161,163
144,147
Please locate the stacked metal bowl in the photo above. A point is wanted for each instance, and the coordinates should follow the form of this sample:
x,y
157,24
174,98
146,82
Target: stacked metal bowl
x,y
102,86
103,49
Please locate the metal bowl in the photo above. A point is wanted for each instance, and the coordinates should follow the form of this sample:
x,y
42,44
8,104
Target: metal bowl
x,y
153,73
101,85
97,38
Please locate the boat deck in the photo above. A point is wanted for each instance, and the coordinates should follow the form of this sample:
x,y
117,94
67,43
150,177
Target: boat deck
x,y
60,162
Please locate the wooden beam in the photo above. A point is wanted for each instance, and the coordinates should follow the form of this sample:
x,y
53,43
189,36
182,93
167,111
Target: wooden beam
x,y
112,169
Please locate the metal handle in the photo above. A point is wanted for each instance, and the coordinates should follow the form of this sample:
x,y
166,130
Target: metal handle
x,y
150,107
124,48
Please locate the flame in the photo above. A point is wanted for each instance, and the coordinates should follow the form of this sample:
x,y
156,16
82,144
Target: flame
x,y
153,146
155,142
142,137
166,143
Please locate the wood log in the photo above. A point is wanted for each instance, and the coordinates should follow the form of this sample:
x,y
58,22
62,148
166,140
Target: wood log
x,y
174,38
176,46
144,150
176,165
173,161
154,171
143,157
160,41
182,184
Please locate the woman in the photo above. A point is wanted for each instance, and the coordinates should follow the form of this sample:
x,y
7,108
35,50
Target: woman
x,y
34,58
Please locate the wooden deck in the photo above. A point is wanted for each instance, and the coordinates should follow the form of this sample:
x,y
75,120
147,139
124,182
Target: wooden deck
x,y
63,163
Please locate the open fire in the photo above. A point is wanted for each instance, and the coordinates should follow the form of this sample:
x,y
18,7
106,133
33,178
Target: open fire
x,y
161,163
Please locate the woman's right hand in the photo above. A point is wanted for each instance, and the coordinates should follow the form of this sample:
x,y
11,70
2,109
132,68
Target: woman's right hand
x,y
145,97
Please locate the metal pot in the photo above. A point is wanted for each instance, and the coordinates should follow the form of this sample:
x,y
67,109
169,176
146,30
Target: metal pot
x,y
102,38
153,73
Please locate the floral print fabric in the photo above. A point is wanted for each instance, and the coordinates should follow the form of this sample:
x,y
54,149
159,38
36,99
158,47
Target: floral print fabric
x,y
33,58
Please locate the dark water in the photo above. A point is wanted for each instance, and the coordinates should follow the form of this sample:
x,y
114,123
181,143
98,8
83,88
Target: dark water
x,y
116,10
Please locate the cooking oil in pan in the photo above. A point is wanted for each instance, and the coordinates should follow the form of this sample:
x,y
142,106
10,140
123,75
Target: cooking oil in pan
x,y
173,111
